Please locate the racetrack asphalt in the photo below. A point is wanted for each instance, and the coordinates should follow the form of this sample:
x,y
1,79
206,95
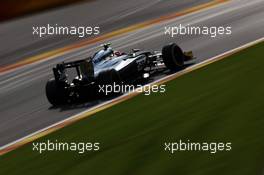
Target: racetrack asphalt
x,y
24,108
109,15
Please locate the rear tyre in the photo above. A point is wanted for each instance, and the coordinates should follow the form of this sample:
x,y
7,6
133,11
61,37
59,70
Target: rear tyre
x,y
109,79
173,57
55,93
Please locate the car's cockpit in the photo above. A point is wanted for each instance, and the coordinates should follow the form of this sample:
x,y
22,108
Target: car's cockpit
x,y
102,54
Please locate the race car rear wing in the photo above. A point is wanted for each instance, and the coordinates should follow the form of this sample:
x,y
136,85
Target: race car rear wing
x,y
84,69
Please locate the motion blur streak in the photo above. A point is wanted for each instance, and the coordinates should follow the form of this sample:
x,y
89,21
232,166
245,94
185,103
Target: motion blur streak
x,y
61,51
89,112
25,109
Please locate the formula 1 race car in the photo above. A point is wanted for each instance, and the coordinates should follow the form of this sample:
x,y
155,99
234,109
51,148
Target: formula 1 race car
x,y
107,67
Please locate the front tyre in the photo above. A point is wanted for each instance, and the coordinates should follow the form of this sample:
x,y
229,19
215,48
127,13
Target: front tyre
x,y
173,57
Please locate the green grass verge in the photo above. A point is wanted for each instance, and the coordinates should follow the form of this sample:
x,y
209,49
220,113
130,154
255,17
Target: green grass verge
x,y
222,102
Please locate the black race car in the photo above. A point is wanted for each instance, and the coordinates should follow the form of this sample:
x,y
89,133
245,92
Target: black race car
x,y
107,67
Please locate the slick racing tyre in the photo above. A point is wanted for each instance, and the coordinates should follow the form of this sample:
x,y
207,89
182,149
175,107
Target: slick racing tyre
x,y
173,57
108,79
55,93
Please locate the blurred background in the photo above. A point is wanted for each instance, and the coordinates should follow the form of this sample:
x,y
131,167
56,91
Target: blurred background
x,y
15,8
